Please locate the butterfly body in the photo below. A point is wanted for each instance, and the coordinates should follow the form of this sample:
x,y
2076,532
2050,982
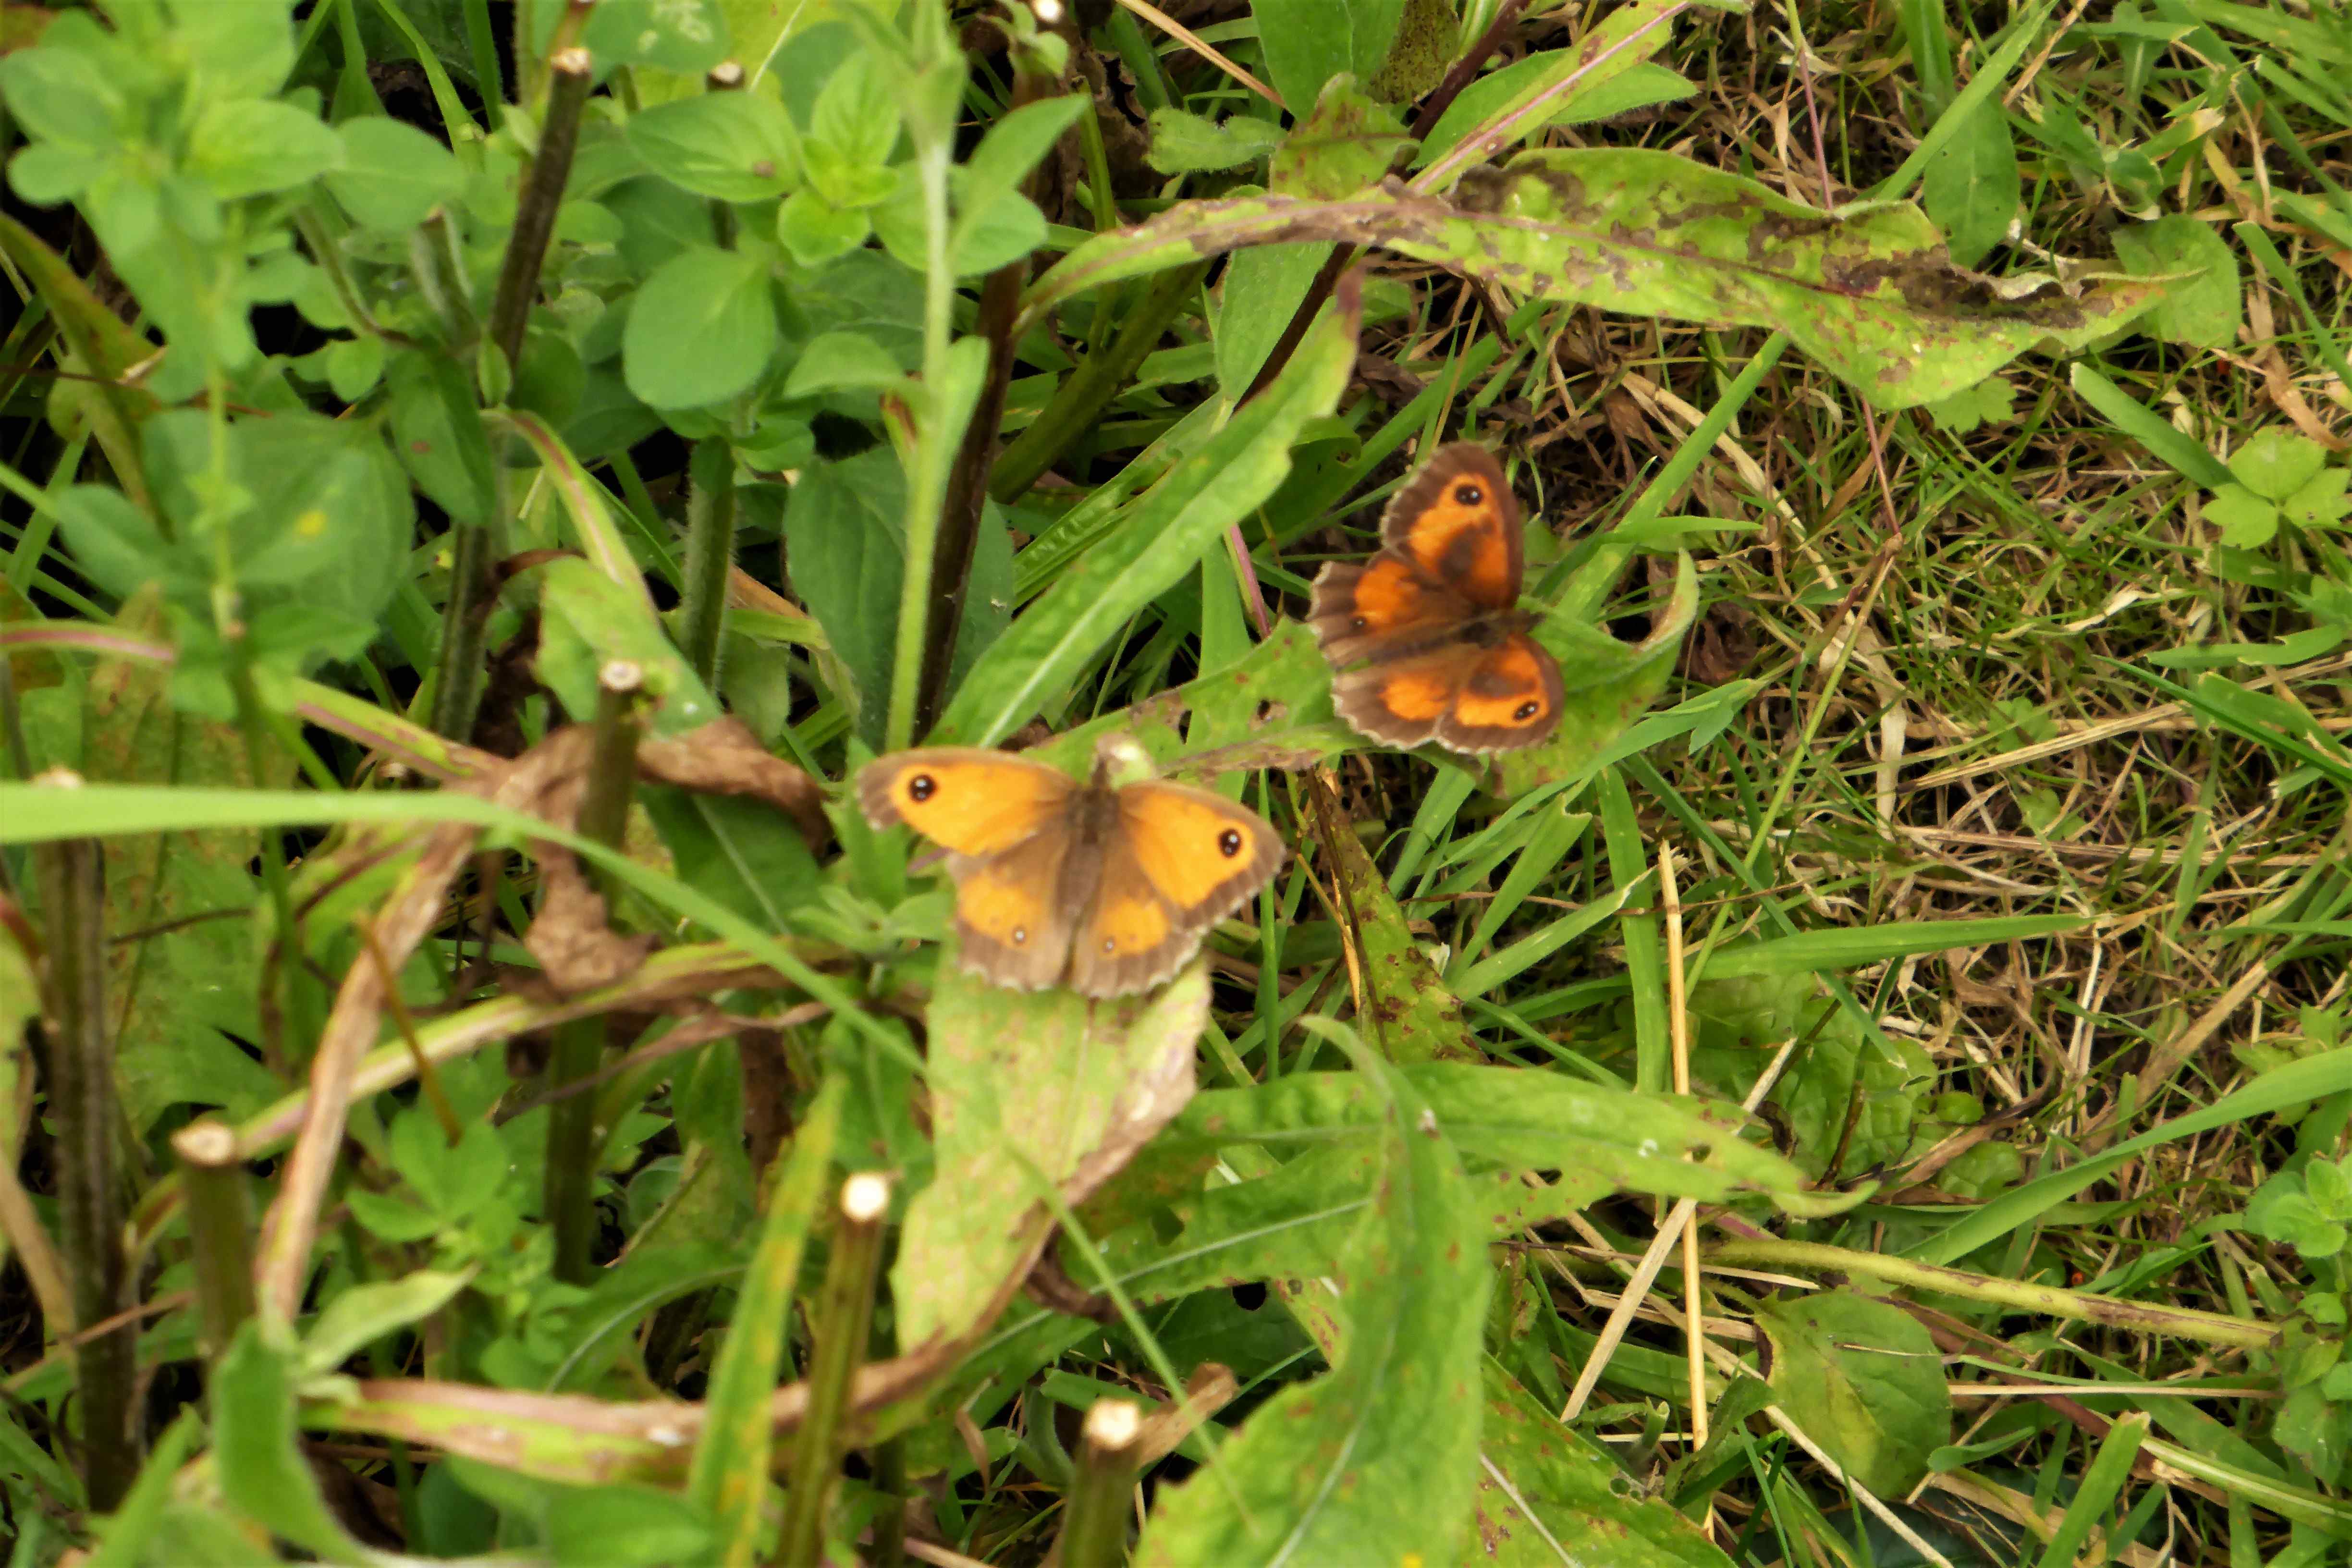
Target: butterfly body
x,y
1104,889
1426,636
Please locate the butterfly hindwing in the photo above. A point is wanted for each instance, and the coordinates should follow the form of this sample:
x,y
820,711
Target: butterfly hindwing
x,y
1509,697
971,801
1178,860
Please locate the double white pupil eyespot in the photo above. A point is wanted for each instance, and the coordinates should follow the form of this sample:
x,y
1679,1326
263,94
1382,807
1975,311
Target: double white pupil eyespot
x,y
922,786
1229,843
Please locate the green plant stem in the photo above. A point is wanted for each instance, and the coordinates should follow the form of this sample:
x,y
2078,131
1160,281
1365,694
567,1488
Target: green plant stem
x,y
844,1317
710,553
569,1184
464,625
441,278
2072,1306
79,1064
542,193
220,1228
1094,1527
1077,403
934,157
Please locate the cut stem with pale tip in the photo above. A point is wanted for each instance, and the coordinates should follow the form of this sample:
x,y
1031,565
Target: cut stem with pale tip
x,y
1094,1527
220,1228
845,1317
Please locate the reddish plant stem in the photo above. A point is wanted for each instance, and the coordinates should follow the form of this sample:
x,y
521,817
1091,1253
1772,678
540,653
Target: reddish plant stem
x,y
1458,76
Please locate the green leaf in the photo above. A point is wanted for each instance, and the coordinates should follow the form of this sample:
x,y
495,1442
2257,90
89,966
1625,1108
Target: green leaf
x,y
393,175
236,51
2277,462
687,36
1971,186
702,329
2246,521
1548,1495
1029,1089
61,91
1157,543
1308,42
1375,1461
249,148
2147,428
1582,83
1864,1380
834,361
2201,304
362,1314
1866,291
1348,142
814,231
856,119
1185,143
2322,502
1013,145
256,1459
437,431
733,146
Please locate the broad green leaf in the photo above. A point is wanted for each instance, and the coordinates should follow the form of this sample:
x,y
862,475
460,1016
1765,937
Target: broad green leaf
x,y
1158,544
2150,429
2277,462
1972,186
1373,1462
1309,42
587,620
361,1314
184,991
687,37
261,1469
1261,289
835,361
702,328
1548,1496
1185,143
2202,305
734,146
1863,1379
249,148
1027,1088
393,175
814,231
1013,146
617,1524
235,51
1562,85
436,430
1865,290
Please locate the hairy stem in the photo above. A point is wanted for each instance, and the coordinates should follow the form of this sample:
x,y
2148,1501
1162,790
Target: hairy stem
x,y
709,552
542,193
570,1185
80,1067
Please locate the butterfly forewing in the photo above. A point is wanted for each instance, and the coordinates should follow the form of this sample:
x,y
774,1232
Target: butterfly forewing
x,y
1458,524
1179,860
971,801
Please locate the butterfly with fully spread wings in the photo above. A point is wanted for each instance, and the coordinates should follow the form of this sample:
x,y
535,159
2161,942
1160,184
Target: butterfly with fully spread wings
x,y
1426,637
1104,889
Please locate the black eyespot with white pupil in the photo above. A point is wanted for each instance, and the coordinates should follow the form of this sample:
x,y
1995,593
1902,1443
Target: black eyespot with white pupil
x,y
1527,711
922,787
1468,494
1229,843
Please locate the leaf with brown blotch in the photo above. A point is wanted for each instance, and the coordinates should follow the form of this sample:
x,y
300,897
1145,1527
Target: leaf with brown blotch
x,y
1029,1087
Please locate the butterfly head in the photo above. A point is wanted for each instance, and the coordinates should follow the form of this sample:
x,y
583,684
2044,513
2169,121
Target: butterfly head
x,y
1120,761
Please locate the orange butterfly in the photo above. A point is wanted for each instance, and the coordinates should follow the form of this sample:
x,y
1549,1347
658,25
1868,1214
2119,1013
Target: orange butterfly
x,y
1102,889
1434,619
